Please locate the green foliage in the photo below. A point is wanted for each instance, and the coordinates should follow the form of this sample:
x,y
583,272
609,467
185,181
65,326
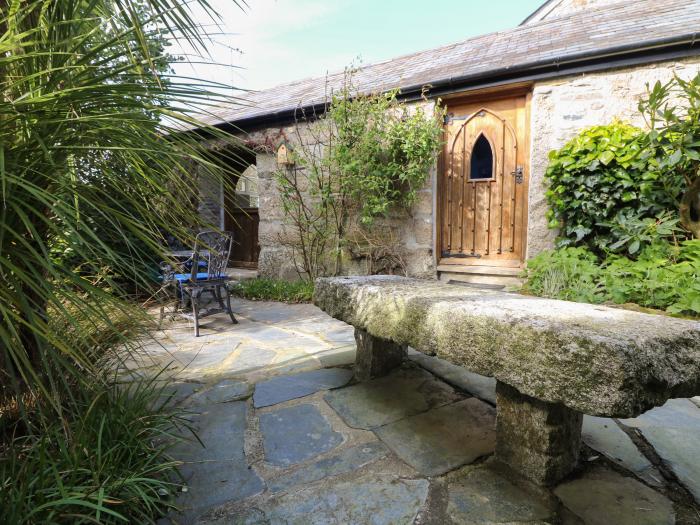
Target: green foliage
x,y
264,289
384,150
93,164
572,274
664,276
672,111
608,191
364,158
104,461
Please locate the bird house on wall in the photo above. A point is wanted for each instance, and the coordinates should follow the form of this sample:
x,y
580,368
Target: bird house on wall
x,y
284,156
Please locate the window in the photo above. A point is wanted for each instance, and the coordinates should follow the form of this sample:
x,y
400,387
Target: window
x,y
247,188
482,160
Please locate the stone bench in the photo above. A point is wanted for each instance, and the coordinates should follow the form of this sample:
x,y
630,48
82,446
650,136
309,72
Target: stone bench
x,y
553,360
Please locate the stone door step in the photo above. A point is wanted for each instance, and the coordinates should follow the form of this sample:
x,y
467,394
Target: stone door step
x,y
488,275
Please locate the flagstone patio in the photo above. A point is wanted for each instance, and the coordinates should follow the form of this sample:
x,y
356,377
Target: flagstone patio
x,y
289,437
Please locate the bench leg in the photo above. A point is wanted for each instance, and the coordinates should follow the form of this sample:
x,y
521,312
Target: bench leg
x,y
539,440
376,357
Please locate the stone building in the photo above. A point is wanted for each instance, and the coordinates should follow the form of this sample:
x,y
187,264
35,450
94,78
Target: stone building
x,y
510,97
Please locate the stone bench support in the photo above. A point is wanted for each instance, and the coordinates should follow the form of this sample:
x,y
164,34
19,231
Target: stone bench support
x,y
376,357
539,440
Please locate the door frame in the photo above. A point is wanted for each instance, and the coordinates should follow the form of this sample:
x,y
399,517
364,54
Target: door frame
x,y
484,96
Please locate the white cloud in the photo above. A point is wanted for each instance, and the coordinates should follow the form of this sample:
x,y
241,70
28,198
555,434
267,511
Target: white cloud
x,y
257,47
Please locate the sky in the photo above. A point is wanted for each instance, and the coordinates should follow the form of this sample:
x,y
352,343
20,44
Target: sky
x,y
272,42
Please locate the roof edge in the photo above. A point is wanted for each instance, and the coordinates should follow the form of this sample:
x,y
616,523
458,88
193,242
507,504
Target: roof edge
x,y
655,51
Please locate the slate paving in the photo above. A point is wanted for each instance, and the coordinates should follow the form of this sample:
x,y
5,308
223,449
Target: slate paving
x,y
284,388
406,392
443,439
290,438
295,434
603,497
480,495
674,432
604,435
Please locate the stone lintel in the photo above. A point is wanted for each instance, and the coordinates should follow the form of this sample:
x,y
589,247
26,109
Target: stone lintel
x,y
376,357
539,440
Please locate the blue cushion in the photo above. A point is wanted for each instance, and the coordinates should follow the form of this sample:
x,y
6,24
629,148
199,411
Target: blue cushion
x,y
182,277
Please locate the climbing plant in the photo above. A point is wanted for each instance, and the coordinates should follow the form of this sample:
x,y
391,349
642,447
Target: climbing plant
x,y
364,158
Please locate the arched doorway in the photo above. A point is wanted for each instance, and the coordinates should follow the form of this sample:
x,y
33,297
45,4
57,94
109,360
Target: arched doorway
x,y
241,201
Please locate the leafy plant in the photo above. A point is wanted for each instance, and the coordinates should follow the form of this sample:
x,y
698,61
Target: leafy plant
x,y
112,467
605,181
93,163
263,289
664,276
383,150
365,158
633,232
569,273
672,111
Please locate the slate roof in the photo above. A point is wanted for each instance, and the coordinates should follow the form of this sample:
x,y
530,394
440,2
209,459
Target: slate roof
x,y
598,32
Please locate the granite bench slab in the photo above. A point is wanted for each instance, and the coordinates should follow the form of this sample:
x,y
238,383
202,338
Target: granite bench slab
x,y
597,360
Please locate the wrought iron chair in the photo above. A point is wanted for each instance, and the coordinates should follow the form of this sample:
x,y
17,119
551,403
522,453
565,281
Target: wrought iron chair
x,y
211,253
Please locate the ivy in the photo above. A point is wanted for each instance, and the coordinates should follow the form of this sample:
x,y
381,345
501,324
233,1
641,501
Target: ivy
x,y
606,187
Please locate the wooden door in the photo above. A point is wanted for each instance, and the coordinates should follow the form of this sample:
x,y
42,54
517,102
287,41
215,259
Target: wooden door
x,y
243,223
483,188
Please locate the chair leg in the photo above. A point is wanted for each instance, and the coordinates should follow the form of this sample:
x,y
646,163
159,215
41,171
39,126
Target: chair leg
x,y
194,297
228,305
217,294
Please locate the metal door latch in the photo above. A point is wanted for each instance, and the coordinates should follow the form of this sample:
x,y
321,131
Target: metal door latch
x,y
518,173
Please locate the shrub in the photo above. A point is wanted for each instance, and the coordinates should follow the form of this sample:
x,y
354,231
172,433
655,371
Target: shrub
x,y
264,289
606,181
664,276
572,274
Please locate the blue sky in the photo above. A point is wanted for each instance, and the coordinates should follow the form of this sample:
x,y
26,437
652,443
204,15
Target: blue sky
x,y
278,41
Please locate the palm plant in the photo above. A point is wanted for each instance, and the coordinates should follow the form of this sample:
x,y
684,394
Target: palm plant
x,y
94,170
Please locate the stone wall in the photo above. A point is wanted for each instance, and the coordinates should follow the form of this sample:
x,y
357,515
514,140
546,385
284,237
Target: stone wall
x,y
562,107
415,228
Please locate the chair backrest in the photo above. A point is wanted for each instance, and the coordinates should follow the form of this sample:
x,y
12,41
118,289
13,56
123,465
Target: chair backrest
x,y
216,247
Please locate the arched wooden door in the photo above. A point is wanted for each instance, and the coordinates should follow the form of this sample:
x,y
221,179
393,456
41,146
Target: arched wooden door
x,y
483,191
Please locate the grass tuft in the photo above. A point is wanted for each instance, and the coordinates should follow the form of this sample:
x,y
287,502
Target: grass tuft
x,y
105,461
264,289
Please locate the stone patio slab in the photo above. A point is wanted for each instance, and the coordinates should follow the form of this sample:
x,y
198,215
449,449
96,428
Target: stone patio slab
x,y
344,461
674,432
458,376
444,438
295,434
222,392
604,497
284,388
405,392
482,496
217,472
606,437
369,500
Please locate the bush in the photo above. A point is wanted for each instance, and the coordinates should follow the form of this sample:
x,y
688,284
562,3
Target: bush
x,y
606,188
572,274
105,461
664,276
264,289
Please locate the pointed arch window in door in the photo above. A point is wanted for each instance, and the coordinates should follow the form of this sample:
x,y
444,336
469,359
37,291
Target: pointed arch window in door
x,y
481,160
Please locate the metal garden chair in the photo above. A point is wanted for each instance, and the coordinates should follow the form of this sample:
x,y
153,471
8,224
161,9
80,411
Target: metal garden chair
x,y
207,273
